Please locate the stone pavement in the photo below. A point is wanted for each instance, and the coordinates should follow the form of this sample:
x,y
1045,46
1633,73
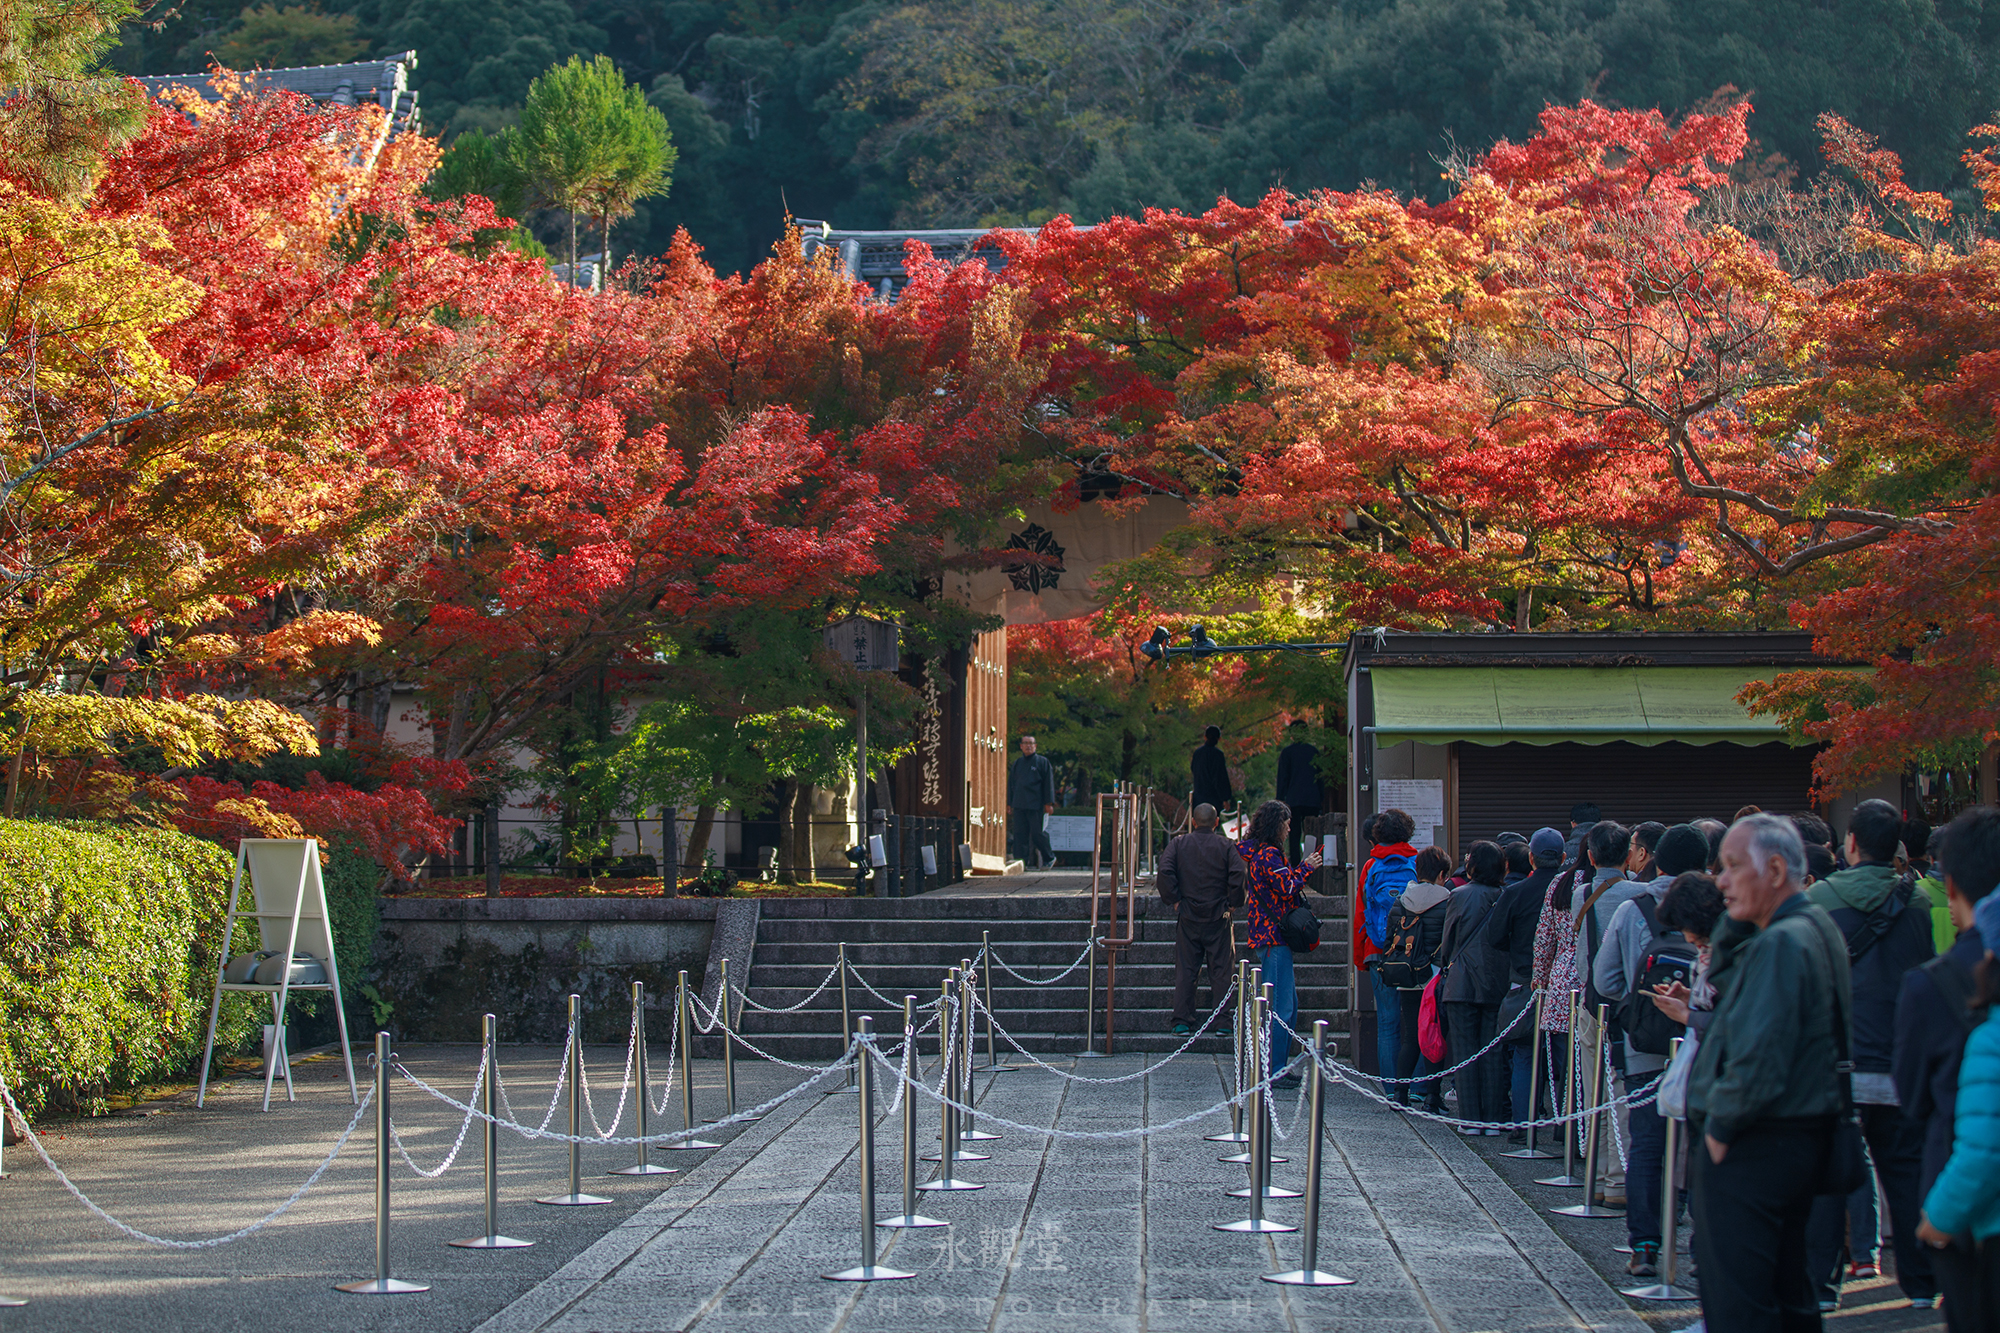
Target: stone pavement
x,y
1105,1234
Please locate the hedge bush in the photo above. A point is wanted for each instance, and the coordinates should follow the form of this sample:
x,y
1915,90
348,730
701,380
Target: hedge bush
x,y
109,941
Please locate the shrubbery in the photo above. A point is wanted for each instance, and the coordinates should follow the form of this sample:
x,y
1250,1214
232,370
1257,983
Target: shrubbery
x,y
109,941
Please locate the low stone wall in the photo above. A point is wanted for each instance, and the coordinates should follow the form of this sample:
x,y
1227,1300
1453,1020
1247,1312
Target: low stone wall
x,y
443,962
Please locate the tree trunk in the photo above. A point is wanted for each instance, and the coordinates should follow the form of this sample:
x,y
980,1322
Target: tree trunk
x,y
698,836
604,252
493,848
802,834
1524,608
572,248
787,823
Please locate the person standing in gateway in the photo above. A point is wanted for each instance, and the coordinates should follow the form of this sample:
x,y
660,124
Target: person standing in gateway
x,y
1211,772
1031,798
1298,780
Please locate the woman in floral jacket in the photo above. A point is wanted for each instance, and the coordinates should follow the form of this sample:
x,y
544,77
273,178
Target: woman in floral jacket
x,y
1275,888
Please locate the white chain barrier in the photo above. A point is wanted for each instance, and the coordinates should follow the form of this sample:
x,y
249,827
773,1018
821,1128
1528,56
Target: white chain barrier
x,y
624,1087
979,1006
1081,959
555,1101
396,1137
826,981
35,1142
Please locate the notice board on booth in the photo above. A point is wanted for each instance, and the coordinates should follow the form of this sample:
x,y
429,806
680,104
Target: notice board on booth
x,y
1422,799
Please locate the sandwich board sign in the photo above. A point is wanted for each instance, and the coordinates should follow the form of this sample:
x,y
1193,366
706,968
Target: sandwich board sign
x,y
288,903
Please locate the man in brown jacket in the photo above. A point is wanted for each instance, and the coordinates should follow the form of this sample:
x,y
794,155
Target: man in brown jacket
x,y
1201,877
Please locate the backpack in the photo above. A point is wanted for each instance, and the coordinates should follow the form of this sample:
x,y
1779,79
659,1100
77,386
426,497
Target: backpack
x,y
1954,984
1399,964
1667,958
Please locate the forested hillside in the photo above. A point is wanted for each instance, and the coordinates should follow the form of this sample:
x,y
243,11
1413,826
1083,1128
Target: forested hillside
x,y
970,112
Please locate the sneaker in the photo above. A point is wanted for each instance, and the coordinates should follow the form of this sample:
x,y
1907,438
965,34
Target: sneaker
x,y
1492,1133
1183,1029
1645,1260
1223,1030
1828,1307
1517,1136
1923,1302
1288,1082
1864,1270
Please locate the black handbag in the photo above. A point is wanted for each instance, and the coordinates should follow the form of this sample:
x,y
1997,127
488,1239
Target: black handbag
x,y
1300,930
1846,1164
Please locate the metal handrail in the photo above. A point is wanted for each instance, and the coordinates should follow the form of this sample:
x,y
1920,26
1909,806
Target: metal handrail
x,y
1125,803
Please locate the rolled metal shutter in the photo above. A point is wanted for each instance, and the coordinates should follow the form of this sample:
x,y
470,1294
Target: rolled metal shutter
x,y
1523,787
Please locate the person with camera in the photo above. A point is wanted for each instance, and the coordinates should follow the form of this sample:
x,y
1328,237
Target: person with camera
x,y
1275,889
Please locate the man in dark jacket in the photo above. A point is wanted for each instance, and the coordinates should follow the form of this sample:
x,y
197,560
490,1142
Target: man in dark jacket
x,y
1765,1089
1211,772
1202,877
1031,798
1933,1018
1888,933
1511,931
1475,982
1298,781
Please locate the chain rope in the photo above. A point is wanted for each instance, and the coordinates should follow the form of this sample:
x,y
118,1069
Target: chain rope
x,y
624,1087
396,1137
1050,981
1215,1013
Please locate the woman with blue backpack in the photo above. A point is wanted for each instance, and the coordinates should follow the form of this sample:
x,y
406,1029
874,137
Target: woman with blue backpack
x,y
1416,933
1388,871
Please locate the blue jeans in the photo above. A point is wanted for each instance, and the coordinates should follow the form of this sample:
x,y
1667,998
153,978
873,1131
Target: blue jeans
x,y
1388,1028
1277,964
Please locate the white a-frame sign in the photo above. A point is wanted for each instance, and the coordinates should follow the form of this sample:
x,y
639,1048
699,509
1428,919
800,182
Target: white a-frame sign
x,y
289,906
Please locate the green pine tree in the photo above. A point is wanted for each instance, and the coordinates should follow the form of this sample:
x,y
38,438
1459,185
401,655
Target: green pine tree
x,y
59,118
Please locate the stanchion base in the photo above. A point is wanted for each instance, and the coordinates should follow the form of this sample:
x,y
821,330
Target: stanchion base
x,y
572,1200
734,1120
1587,1210
1234,1136
979,1135
1270,1192
1090,1055
960,1156
1243,1159
9,1303
950,1183
490,1243
1256,1224
1659,1291
690,1145
835,1092
1308,1277
1001,1069
912,1220
1531,1155
382,1286
867,1273
1562,1182
643,1169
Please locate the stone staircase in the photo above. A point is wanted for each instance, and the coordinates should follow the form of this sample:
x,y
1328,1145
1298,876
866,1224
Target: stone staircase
x,y
905,945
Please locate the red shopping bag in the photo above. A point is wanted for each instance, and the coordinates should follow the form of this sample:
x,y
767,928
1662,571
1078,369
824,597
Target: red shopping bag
x,y
1430,1031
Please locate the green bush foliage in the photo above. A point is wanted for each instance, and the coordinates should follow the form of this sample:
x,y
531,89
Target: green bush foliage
x,y
107,956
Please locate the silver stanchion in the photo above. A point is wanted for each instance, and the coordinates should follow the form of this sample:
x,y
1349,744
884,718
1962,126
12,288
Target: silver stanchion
x,y
1260,1136
1594,1102
1090,1051
1246,1072
910,1217
382,1284
1264,1158
576,1198
968,991
642,1167
869,1270
685,1022
1308,1274
955,1077
1236,1134
489,1102
729,1050
1531,1153
1664,1289
1569,1179
846,1023
993,1065
948,1149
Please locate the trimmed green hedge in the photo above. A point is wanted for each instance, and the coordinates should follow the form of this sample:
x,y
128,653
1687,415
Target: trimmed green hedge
x,y
109,938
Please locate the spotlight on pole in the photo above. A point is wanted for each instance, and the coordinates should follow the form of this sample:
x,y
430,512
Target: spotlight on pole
x,y
1202,643
1156,646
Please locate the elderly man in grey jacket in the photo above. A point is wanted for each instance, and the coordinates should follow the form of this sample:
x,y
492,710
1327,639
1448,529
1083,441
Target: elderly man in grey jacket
x,y
1615,972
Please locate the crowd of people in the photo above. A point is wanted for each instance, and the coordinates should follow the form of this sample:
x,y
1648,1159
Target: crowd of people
x,y
1826,1015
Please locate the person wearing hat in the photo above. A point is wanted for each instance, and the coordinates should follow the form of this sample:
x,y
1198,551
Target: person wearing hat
x,y
1614,972
1511,930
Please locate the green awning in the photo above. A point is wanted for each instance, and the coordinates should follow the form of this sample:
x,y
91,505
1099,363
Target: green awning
x,y
1552,704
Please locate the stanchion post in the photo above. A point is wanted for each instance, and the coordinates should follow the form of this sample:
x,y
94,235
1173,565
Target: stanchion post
x,y
1664,1289
489,1102
728,1026
910,1217
969,991
1568,1179
1594,1103
1246,1047
1090,1051
1236,1134
948,1149
993,1065
382,1284
1261,1184
576,1198
1259,1133
642,1167
1532,1153
846,1022
869,1270
684,1018
1308,1273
